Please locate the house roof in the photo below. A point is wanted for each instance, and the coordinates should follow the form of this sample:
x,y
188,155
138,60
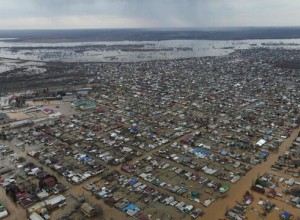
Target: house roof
x,y
87,207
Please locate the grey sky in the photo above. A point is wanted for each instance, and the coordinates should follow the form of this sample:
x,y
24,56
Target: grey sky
x,y
147,13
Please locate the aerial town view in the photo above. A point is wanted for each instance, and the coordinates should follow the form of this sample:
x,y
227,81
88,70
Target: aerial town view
x,y
120,110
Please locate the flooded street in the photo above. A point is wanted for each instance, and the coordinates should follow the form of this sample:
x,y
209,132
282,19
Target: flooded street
x,y
218,208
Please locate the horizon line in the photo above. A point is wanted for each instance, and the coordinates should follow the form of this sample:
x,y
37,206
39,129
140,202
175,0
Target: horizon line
x,y
148,28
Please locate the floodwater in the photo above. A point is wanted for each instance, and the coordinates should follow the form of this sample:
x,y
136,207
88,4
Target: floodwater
x,y
132,51
218,208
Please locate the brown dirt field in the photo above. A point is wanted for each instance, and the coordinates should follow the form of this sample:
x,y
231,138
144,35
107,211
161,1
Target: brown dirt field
x,y
18,115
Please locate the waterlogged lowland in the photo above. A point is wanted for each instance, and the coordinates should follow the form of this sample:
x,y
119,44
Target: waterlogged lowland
x,y
132,51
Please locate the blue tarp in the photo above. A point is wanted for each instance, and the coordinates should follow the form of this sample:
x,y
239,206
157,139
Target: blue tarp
x,y
133,181
86,158
285,215
131,207
199,151
133,130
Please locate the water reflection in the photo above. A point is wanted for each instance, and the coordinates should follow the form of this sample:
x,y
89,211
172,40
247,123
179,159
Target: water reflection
x,y
132,51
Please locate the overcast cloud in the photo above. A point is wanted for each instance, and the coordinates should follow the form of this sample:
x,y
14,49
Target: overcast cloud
x,y
147,13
